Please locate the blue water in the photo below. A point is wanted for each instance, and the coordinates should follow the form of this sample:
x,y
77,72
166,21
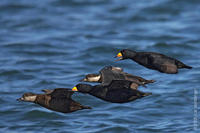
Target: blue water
x,y
54,43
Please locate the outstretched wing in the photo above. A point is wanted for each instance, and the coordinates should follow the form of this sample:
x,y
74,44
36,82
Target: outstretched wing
x,y
120,84
47,91
61,93
112,68
108,75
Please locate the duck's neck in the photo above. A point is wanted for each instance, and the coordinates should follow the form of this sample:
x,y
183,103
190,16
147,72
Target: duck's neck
x,y
131,54
41,100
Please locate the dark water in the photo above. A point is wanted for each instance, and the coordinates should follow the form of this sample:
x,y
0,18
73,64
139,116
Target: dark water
x,y
54,43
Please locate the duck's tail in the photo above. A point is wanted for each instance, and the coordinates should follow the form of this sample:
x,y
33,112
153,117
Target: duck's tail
x,y
188,67
86,107
182,65
147,94
149,81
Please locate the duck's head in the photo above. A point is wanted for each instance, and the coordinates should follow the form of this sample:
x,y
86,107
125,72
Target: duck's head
x,y
91,78
28,97
84,88
125,54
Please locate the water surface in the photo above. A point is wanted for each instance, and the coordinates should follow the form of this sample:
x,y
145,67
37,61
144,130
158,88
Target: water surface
x,y
54,43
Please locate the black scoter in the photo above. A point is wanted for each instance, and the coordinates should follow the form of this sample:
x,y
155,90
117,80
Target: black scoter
x,y
152,60
109,73
118,91
58,100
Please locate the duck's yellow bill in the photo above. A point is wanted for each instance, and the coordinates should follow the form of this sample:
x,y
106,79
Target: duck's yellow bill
x,y
119,54
74,89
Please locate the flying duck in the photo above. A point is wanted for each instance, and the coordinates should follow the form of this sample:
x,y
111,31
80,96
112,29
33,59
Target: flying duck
x,y
152,60
109,73
58,100
118,91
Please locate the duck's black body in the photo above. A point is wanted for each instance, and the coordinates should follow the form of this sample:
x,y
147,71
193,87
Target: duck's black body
x,y
58,100
118,91
155,61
